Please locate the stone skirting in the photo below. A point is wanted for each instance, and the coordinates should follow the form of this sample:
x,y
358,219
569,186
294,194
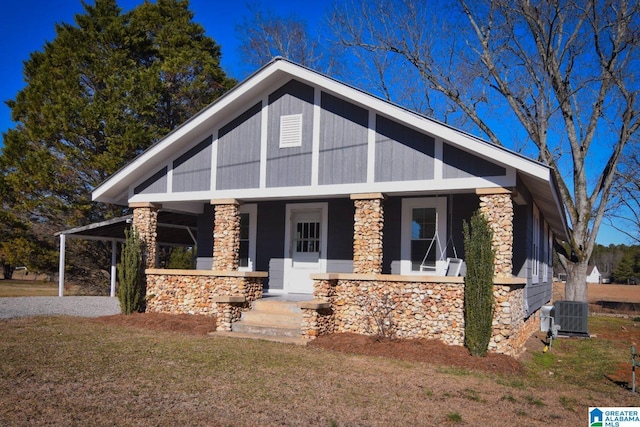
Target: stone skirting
x,y
224,294
413,307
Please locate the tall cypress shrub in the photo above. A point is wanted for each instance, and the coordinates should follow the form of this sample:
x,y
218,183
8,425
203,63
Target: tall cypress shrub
x,y
131,291
478,295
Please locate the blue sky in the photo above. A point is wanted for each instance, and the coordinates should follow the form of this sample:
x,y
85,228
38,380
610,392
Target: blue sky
x,y
25,25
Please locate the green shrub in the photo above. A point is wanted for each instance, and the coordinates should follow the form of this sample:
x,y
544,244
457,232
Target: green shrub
x,y
131,291
478,295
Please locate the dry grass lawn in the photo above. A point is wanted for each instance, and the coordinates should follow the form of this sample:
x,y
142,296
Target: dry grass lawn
x,y
33,288
71,371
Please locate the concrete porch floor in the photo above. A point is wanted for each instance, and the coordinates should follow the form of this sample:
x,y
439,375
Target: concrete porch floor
x,y
287,297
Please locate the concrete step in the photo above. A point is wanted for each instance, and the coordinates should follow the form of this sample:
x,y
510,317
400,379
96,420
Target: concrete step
x,y
273,338
275,306
272,318
255,317
266,330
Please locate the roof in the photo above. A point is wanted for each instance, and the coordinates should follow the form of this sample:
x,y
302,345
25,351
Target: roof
x,y
174,229
536,176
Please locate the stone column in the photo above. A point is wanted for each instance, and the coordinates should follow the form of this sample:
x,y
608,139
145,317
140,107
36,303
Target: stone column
x,y
368,223
145,222
497,206
226,234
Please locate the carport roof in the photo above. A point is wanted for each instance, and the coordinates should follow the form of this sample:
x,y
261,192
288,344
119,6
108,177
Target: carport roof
x,y
173,229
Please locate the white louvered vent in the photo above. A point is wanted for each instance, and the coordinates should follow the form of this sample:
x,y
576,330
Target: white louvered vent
x,y
291,130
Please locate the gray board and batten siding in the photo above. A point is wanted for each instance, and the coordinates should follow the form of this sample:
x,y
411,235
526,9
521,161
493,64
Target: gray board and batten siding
x,y
239,151
536,294
343,142
401,153
156,183
290,166
412,152
192,170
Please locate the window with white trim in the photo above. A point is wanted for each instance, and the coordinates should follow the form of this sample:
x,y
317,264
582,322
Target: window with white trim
x,y
291,130
535,249
423,235
247,251
545,257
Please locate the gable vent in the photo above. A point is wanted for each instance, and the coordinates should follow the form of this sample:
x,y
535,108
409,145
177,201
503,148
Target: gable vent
x,y
291,130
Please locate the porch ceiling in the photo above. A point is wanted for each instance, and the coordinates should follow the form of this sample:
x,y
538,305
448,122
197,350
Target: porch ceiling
x,y
173,229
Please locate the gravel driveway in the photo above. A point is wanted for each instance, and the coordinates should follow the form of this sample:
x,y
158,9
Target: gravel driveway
x,y
51,306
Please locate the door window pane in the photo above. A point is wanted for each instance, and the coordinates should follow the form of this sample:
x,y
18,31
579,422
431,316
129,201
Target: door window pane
x,y
307,237
423,229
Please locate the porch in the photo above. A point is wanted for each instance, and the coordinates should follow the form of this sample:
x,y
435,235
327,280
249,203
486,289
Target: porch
x,y
418,304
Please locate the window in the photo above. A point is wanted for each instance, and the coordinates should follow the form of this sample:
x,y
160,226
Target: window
x,y
423,243
247,251
291,130
244,240
535,249
423,235
545,252
307,238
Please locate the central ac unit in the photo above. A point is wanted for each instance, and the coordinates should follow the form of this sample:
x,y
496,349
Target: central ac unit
x,y
572,317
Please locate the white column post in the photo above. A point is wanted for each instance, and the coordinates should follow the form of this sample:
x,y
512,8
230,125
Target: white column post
x,y
114,246
61,266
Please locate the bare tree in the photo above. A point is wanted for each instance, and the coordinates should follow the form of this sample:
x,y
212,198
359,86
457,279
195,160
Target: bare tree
x,y
564,71
624,214
266,35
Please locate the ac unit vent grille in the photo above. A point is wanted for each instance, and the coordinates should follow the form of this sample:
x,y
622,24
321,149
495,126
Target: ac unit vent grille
x,y
572,317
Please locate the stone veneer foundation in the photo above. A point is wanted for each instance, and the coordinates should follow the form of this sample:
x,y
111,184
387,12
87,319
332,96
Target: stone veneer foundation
x,y
422,307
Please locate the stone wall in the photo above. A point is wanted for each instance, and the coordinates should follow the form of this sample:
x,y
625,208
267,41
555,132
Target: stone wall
x,y
508,319
368,223
498,209
145,221
396,306
415,307
195,291
226,235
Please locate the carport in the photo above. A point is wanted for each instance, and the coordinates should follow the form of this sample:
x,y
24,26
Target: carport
x,y
174,229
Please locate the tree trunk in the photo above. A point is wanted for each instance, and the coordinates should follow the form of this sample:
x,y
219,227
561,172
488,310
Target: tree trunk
x,y
576,287
8,271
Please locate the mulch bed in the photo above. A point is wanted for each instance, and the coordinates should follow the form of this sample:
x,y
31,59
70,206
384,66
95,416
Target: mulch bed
x,y
418,350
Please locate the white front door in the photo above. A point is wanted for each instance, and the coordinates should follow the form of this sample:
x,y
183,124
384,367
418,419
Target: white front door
x,y
306,244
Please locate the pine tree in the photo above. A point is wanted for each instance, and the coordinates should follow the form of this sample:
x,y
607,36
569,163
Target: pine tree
x,y
478,282
101,92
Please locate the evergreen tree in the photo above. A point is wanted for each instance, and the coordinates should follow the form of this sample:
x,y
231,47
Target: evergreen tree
x,y
478,285
97,95
628,269
131,290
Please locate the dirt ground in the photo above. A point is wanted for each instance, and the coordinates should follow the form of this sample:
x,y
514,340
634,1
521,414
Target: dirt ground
x,y
608,298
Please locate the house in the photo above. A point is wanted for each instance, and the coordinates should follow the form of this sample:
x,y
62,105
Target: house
x,y
301,184
593,274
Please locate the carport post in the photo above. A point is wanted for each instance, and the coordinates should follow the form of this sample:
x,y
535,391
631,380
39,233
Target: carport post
x,y
61,266
113,267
